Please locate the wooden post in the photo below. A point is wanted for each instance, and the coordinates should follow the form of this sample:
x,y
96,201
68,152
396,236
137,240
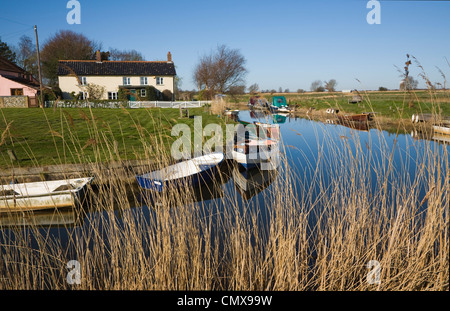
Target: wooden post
x,y
39,66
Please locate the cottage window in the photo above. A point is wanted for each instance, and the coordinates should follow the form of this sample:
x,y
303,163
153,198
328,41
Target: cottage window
x,y
143,92
84,95
113,95
126,81
159,81
143,80
83,81
16,92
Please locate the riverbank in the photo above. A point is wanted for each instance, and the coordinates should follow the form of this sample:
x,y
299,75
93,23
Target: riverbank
x,y
392,105
32,138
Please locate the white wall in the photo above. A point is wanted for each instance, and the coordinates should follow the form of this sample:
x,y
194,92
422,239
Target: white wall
x,y
69,84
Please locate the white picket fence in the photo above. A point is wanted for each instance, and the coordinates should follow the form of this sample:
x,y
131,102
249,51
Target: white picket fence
x,y
168,104
127,104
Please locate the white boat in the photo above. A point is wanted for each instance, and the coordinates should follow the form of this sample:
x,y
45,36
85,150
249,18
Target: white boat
x,y
191,172
441,129
43,195
283,110
263,153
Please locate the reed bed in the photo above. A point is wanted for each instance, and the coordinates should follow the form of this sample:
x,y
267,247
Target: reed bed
x,y
348,219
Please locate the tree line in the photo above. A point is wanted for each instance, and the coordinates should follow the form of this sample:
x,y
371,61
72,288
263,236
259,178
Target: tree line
x,y
63,45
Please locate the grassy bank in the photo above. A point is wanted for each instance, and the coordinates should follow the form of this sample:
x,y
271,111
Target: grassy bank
x,y
74,135
389,104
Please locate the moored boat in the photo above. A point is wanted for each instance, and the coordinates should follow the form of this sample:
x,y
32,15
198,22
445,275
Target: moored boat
x,y
43,195
441,129
186,173
362,117
263,153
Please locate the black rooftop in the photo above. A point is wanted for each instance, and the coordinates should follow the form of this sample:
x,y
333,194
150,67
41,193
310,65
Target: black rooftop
x,y
115,68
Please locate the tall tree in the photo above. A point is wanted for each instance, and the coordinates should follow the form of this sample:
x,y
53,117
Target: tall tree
x,y
65,45
316,86
254,88
330,85
221,71
7,52
131,55
26,57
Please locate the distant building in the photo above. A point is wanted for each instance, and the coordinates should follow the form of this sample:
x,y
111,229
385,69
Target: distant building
x,y
14,81
133,77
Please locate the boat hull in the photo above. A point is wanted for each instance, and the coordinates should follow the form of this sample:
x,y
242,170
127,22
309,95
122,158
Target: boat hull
x,y
189,173
441,129
189,181
43,195
356,117
265,159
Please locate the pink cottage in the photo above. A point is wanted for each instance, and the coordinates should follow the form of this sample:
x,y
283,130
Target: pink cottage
x,y
14,81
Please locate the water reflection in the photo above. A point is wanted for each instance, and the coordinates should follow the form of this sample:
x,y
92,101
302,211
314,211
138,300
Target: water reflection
x,y
307,140
251,182
69,217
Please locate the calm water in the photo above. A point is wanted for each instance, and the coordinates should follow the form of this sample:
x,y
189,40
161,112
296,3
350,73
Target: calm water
x,y
306,142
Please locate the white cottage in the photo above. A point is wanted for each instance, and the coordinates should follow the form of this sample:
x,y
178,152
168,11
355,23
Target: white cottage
x,y
133,78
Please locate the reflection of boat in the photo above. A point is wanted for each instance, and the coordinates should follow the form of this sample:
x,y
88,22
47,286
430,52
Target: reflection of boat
x,y
271,131
261,130
442,138
258,114
47,218
43,195
441,129
279,118
428,135
356,125
251,182
191,172
202,192
362,117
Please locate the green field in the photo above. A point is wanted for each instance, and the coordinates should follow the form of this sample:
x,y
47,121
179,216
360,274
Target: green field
x,y
73,135
391,104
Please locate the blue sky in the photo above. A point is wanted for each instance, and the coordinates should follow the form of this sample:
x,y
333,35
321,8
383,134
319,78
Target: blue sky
x,y
287,43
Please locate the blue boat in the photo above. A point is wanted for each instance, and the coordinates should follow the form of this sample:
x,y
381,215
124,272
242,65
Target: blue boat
x,y
187,173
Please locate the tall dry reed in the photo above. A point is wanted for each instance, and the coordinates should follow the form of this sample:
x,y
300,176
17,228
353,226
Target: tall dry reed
x,y
317,231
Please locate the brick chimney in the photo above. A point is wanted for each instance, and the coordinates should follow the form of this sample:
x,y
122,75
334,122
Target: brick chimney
x,y
98,56
169,57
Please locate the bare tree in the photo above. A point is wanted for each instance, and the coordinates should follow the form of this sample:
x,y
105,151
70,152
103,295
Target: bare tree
x,y
316,86
221,71
254,88
330,86
131,55
26,56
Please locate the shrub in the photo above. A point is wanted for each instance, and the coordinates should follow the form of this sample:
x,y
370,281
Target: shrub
x,y
167,95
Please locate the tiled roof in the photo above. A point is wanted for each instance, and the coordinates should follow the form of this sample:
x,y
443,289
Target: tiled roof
x,y
33,84
6,65
115,68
